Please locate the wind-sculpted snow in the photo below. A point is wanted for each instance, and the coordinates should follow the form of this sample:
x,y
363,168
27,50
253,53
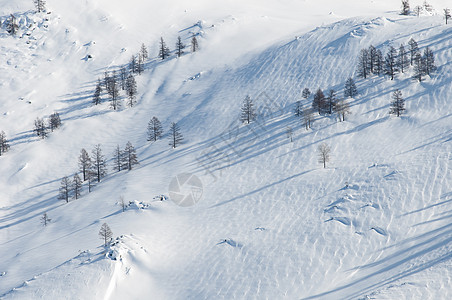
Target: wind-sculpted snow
x,y
272,222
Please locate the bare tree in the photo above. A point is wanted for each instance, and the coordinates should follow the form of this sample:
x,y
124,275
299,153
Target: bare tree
x,y
419,67
179,47
402,59
144,52
155,130
413,50
45,219
405,8
391,63
54,121
4,144
174,135
372,57
248,111
140,64
84,162
40,128
397,104
289,133
429,61
298,110
194,44
164,51
77,186
91,177
133,64
105,233
363,64
99,165
123,77
97,93
342,109
40,5
106,80
428,7
130,156
324,154
319,101
306,93
447,14
117,159
123,203
418,10
65,189
331,100
350,89
379,62
131,90
113,91
308,117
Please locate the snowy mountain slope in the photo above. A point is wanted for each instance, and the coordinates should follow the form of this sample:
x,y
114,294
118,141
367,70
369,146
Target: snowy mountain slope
x,y
272,223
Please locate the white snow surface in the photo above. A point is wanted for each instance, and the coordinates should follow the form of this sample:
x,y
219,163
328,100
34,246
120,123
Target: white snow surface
x,y
272,222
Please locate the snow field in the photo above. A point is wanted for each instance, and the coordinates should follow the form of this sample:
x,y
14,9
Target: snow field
x,y
273,223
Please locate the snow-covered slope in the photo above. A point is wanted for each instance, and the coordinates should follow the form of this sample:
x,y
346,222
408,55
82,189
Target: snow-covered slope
x,y
272,223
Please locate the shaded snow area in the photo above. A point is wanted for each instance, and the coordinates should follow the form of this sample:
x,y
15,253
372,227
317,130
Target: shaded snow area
x,y
237,211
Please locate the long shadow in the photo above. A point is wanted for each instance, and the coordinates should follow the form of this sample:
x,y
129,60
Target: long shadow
x,y
262,188
434,140
438,240
191,27
445,217
446,195
243,140
43,183
30,188
437,120
26,201
356,129
24,137
26,211
250,143
60,237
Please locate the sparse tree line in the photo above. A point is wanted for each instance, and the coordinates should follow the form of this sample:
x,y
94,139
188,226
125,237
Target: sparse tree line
x,y
328,104
425,7
93,168
370,61
124,80
113,83
42,128
155,132
165,52
322,104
